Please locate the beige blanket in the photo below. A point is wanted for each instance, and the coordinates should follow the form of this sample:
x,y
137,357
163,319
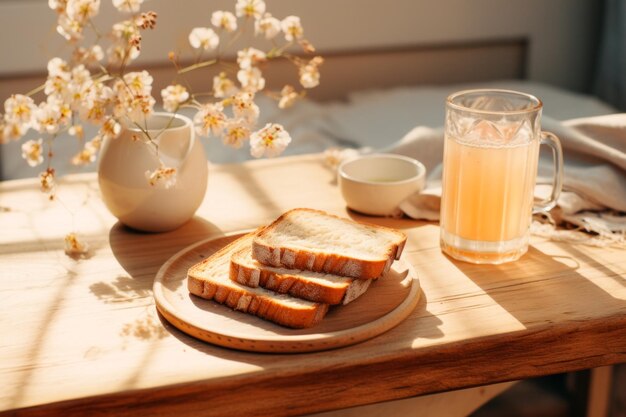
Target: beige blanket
x,y
594,190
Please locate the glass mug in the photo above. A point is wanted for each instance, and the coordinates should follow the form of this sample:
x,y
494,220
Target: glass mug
x,y
491,153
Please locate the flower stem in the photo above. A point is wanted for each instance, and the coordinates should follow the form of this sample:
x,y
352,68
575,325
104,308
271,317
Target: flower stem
x,y
196,66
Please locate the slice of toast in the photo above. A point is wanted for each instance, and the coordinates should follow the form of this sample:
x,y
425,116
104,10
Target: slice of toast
x,y
313,286
313,240
209,279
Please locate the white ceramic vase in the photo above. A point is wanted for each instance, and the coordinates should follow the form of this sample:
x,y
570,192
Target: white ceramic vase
x,y
126,191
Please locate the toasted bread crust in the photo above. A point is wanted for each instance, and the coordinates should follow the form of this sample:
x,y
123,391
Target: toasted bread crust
x,y
263,307
247,300
320,261
286,284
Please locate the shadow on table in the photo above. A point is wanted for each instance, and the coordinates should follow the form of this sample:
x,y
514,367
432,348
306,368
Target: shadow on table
x,y
539,282
142,254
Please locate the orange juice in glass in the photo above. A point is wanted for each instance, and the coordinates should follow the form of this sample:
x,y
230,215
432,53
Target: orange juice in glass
x,y
491,152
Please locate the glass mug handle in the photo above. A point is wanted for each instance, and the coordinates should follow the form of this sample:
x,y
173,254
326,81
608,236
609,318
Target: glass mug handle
x,y
552,142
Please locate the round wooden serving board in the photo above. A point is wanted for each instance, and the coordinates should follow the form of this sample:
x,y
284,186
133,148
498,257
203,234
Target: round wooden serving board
x,y
387,302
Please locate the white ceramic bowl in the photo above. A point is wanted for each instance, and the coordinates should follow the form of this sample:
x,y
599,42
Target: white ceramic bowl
x,y
376,184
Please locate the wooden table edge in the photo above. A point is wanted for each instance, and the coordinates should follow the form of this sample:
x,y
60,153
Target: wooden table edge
x,y
369,382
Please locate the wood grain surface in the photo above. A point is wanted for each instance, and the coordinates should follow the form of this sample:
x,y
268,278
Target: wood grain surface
x,y
83,337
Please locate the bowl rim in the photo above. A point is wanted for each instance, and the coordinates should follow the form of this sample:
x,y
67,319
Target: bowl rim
x,y
421,169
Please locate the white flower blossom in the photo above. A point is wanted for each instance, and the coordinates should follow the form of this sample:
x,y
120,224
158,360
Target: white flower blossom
x,y
249,57
75,247
70,29
57,5
32,152
88,154
210,119
48,117
270,141
124,30
47,182
292,28
58,67
139,83
13,130
57,87
309,73
251,79
235,132
245,108
224,20
77,131
79,86
133,97
223,86
89,55
139,108
173,96
288,97
163,177
96,103
82,10
128,6
117,53
250,8
127,42
268,26
204,38
110,129
19,109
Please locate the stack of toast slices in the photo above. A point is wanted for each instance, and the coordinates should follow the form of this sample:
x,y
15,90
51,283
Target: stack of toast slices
x,y
292,270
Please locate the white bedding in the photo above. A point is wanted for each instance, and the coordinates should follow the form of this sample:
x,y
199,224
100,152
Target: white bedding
x,y
375,119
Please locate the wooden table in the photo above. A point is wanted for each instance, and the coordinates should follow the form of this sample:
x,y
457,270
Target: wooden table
x,y
82,337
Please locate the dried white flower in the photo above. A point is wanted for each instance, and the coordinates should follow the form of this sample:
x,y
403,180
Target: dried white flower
x,y
13,130
82,10
127,44
129,6
249,57
47,182
19,109
270,141
224,20
250,8
235,132
288,97
210,119
48,116
58,67
70,29
74,247
89,55
268,26
110,129
133,97
223,86
32,152
96,103
137,83
310,74
163,177
57,5
245,108
204,38
173,96
251,79
292,28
